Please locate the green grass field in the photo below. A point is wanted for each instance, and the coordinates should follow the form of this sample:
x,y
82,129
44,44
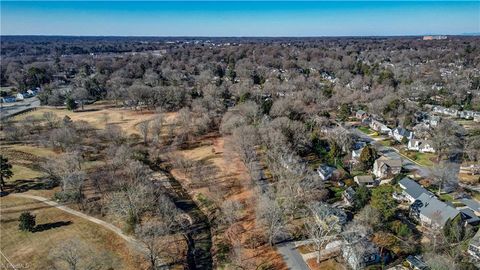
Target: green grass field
x,y
365,130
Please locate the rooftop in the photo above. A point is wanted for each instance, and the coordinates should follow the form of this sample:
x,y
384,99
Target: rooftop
x,y
412,188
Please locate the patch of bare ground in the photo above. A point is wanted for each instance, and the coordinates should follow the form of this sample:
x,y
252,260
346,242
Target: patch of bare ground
x,y
230,175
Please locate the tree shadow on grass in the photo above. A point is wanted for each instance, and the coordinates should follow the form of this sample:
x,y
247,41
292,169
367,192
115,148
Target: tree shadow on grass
x,y
51,225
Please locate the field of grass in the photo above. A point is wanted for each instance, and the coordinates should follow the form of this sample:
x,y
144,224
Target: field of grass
x,y
365,130
424,159
387,142
25,160
32,248
100,115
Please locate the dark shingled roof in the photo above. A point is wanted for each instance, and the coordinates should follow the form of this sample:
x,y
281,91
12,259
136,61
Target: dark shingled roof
x,y
412,188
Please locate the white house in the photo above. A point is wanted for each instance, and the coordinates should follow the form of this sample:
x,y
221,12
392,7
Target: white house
x,y
325,172
400,133
380,127
19,97
476,118
423,146
356,155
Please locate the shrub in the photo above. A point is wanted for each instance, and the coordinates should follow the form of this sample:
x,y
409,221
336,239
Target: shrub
x,y
27,222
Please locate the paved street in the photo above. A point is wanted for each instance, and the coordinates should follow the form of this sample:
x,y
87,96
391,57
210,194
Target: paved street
x,y
292,257
393,153
9,109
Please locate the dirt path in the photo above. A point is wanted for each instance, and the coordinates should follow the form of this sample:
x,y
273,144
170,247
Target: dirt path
x,y
132,241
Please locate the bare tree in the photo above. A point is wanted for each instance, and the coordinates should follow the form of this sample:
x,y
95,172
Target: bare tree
x,y
52,119
160,244
157,128
75,254
270,216
144,128
324,227
445,175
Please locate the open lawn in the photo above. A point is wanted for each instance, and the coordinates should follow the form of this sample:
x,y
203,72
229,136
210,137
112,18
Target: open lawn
x,y
331,264
424,159
25,160
54,227
366,130
102,114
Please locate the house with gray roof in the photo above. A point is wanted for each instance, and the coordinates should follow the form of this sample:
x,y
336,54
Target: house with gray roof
x,y
325,172
416,262
471,204
411,190
431,212
364,180
400,134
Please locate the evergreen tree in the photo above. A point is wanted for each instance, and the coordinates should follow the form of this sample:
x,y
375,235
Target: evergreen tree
x,y
368,157
71,104
27,222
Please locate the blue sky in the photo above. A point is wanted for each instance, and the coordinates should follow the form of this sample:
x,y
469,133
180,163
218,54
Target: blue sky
x,y
271,18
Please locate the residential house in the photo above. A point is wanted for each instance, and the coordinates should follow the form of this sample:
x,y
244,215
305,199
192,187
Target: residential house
x,y
423,146
356,155
349,196
470,211
472,205
364,180
360,253
416,262
469,217
433,120
325,172
431,212
411,190
401,134
469,115
446,111
380,127
19,97
357,150
474,247
385,167
361,114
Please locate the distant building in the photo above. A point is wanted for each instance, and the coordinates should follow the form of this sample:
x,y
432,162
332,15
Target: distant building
x,y
19,97
434,37
385,167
